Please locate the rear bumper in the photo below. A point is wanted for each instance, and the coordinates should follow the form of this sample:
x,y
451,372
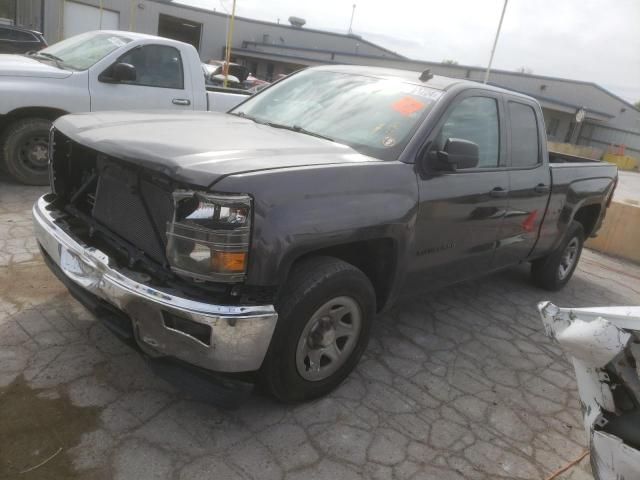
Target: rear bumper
x,y
220,338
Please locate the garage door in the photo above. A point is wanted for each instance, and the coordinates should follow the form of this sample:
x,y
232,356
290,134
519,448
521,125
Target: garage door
x,y
79,18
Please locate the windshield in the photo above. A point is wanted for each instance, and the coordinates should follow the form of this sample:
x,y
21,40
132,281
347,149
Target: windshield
x,y
83,51
375,116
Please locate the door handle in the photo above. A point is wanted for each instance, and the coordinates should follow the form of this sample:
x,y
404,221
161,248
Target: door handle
x,y
181,101
541,188
498,192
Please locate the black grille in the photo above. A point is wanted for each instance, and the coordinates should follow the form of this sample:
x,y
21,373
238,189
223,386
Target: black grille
x,y
123,199
160,204
133,209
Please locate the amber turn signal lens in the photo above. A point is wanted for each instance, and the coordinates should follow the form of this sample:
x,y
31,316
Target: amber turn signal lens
x,y
228,261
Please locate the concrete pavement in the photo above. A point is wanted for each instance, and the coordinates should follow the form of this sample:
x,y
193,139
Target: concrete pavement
x,y
455,384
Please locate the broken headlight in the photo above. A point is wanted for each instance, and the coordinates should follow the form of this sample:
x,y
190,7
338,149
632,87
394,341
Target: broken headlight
x,y
208,238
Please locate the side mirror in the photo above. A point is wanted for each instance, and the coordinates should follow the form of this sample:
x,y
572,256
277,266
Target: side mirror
x,y
457,153
119,72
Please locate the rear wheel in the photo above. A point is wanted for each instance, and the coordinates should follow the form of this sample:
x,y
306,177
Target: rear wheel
x,y
554,271
325,315
25,150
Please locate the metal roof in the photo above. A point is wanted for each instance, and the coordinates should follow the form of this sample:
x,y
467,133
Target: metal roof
x,y
349,36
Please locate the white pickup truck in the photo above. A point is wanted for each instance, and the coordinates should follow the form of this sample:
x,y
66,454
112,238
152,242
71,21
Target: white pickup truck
x,y
94,71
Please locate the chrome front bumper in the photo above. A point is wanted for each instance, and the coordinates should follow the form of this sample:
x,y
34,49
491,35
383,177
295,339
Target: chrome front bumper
x,y
240,335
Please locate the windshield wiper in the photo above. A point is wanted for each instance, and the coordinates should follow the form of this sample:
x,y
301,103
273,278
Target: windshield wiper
x,y
51,56
248,117
48,56
299,129
293,128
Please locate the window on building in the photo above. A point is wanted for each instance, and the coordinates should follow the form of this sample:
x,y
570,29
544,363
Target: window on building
x,y
475,119
270,69
156,66
552,127
570,130
525,143
180,29
8,11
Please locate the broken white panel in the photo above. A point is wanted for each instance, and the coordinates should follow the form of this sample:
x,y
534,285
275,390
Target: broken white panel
x,y
594,338
611,459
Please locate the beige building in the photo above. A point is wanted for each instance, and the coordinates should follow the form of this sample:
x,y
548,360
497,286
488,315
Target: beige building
x,y
270,49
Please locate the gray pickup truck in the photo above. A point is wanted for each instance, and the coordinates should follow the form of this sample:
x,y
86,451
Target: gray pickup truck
x,y
263,241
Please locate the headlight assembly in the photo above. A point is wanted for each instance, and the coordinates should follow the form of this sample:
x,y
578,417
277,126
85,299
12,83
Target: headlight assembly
x,y
208,238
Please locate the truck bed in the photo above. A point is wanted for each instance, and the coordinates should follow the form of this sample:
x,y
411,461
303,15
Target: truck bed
x,y
224,99
560,157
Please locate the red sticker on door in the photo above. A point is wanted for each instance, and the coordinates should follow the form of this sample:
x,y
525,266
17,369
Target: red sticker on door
x,y
407,105
529,223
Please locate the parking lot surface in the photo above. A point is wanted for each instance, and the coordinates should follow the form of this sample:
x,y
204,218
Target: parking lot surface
x,y
455,384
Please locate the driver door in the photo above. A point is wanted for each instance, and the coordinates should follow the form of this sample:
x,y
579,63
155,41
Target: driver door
x,y
460,212
160,82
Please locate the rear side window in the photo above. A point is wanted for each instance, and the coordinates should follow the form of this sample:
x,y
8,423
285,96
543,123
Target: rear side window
x,y
525,142
4,33
156,66
23,36
475,119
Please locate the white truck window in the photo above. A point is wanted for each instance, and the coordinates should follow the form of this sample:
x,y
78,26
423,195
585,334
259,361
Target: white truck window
x,y
156,66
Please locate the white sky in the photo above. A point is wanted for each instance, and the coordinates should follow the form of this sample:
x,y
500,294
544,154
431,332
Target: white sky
x,y
591,40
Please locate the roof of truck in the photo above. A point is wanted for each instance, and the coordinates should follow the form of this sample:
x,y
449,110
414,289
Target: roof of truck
x,y
436,81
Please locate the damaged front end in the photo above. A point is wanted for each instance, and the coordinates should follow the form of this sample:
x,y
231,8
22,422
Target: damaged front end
x,y
603,344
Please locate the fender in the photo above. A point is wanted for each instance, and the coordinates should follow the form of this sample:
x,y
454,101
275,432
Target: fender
x,y
301,210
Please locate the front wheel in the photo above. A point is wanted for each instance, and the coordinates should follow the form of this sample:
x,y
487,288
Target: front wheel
x,y
553,272
25,150
325,315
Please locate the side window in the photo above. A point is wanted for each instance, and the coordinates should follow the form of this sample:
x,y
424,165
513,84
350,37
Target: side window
x,y
156,66
5,33
475,119
19,36
525,141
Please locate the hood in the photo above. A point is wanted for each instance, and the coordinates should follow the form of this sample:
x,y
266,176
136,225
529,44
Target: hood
x,y
200,148
21,66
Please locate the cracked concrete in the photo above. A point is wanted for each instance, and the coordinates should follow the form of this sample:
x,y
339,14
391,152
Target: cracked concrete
x,y
455,384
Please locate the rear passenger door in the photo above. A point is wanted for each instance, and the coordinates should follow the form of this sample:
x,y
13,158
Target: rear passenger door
x,y
161,82
529,179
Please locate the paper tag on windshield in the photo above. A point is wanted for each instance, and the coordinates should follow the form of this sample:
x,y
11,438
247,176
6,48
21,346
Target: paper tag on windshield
x,y
407,105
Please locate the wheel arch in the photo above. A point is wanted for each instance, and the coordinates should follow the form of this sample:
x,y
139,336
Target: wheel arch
x,y
377,258
30,112
587,216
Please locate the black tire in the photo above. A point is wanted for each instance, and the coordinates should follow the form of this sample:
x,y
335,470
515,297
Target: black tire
x,y
312,284
22,147
553,272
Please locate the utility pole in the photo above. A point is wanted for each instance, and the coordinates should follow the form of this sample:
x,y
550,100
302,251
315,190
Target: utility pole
x,y
495,42
353,12
229,39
